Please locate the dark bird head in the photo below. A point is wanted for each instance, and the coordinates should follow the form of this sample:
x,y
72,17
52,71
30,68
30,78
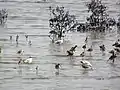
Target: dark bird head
x,y
81,61
36,68
30,57
75,46
84,46
58,64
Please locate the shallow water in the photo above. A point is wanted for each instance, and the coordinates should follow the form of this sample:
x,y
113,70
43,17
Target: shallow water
x,y
31,17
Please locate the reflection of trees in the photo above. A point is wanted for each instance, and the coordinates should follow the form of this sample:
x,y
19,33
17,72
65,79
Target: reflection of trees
x,y
58,49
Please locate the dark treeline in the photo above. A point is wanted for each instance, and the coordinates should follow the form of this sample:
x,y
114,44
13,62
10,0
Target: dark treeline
x,y
61,21
99,19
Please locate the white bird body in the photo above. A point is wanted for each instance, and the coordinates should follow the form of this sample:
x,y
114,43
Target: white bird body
x,y
86,64
28,61
60,41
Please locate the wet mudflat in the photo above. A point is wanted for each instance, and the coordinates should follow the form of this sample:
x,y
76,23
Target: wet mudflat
x,y
31,18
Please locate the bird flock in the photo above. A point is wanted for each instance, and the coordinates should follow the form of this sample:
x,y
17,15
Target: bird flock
x,y
71,53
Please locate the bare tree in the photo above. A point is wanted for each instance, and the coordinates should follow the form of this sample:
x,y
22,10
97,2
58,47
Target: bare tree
x,y
60,22
99,19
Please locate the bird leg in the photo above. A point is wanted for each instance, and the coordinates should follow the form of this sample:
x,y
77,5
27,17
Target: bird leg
x,y
84,50
113,60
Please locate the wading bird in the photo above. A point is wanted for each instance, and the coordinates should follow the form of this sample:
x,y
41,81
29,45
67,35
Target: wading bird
x,y
90,50
20,51
71,51
84,47
25,61
102,48
86,64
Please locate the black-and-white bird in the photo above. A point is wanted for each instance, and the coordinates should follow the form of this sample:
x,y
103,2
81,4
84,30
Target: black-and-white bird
x,y
36,69
20,51
112,57
25,61
86,64
84,47
28,60
102,48
73,48
90,49
30,42
26,36
117,50
71,51
57,66
20,61
82,54
116,44
86,39
10,38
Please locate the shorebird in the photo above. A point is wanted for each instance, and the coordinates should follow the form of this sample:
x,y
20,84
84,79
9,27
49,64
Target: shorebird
x,y
26,36
90,50
36,69
73,48
71,51
28,61
17,37
84,47
25,61
20,61
82,54
30,43
117,50
102,48
86,39
86,64
112,57
57,66
20,51
112,51
10,38
116,43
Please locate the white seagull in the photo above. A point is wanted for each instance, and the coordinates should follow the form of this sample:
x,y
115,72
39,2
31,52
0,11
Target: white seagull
x,y
28,61
86,64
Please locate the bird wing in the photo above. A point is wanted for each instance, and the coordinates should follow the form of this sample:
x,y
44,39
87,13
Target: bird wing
x,y
87,63
29,60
